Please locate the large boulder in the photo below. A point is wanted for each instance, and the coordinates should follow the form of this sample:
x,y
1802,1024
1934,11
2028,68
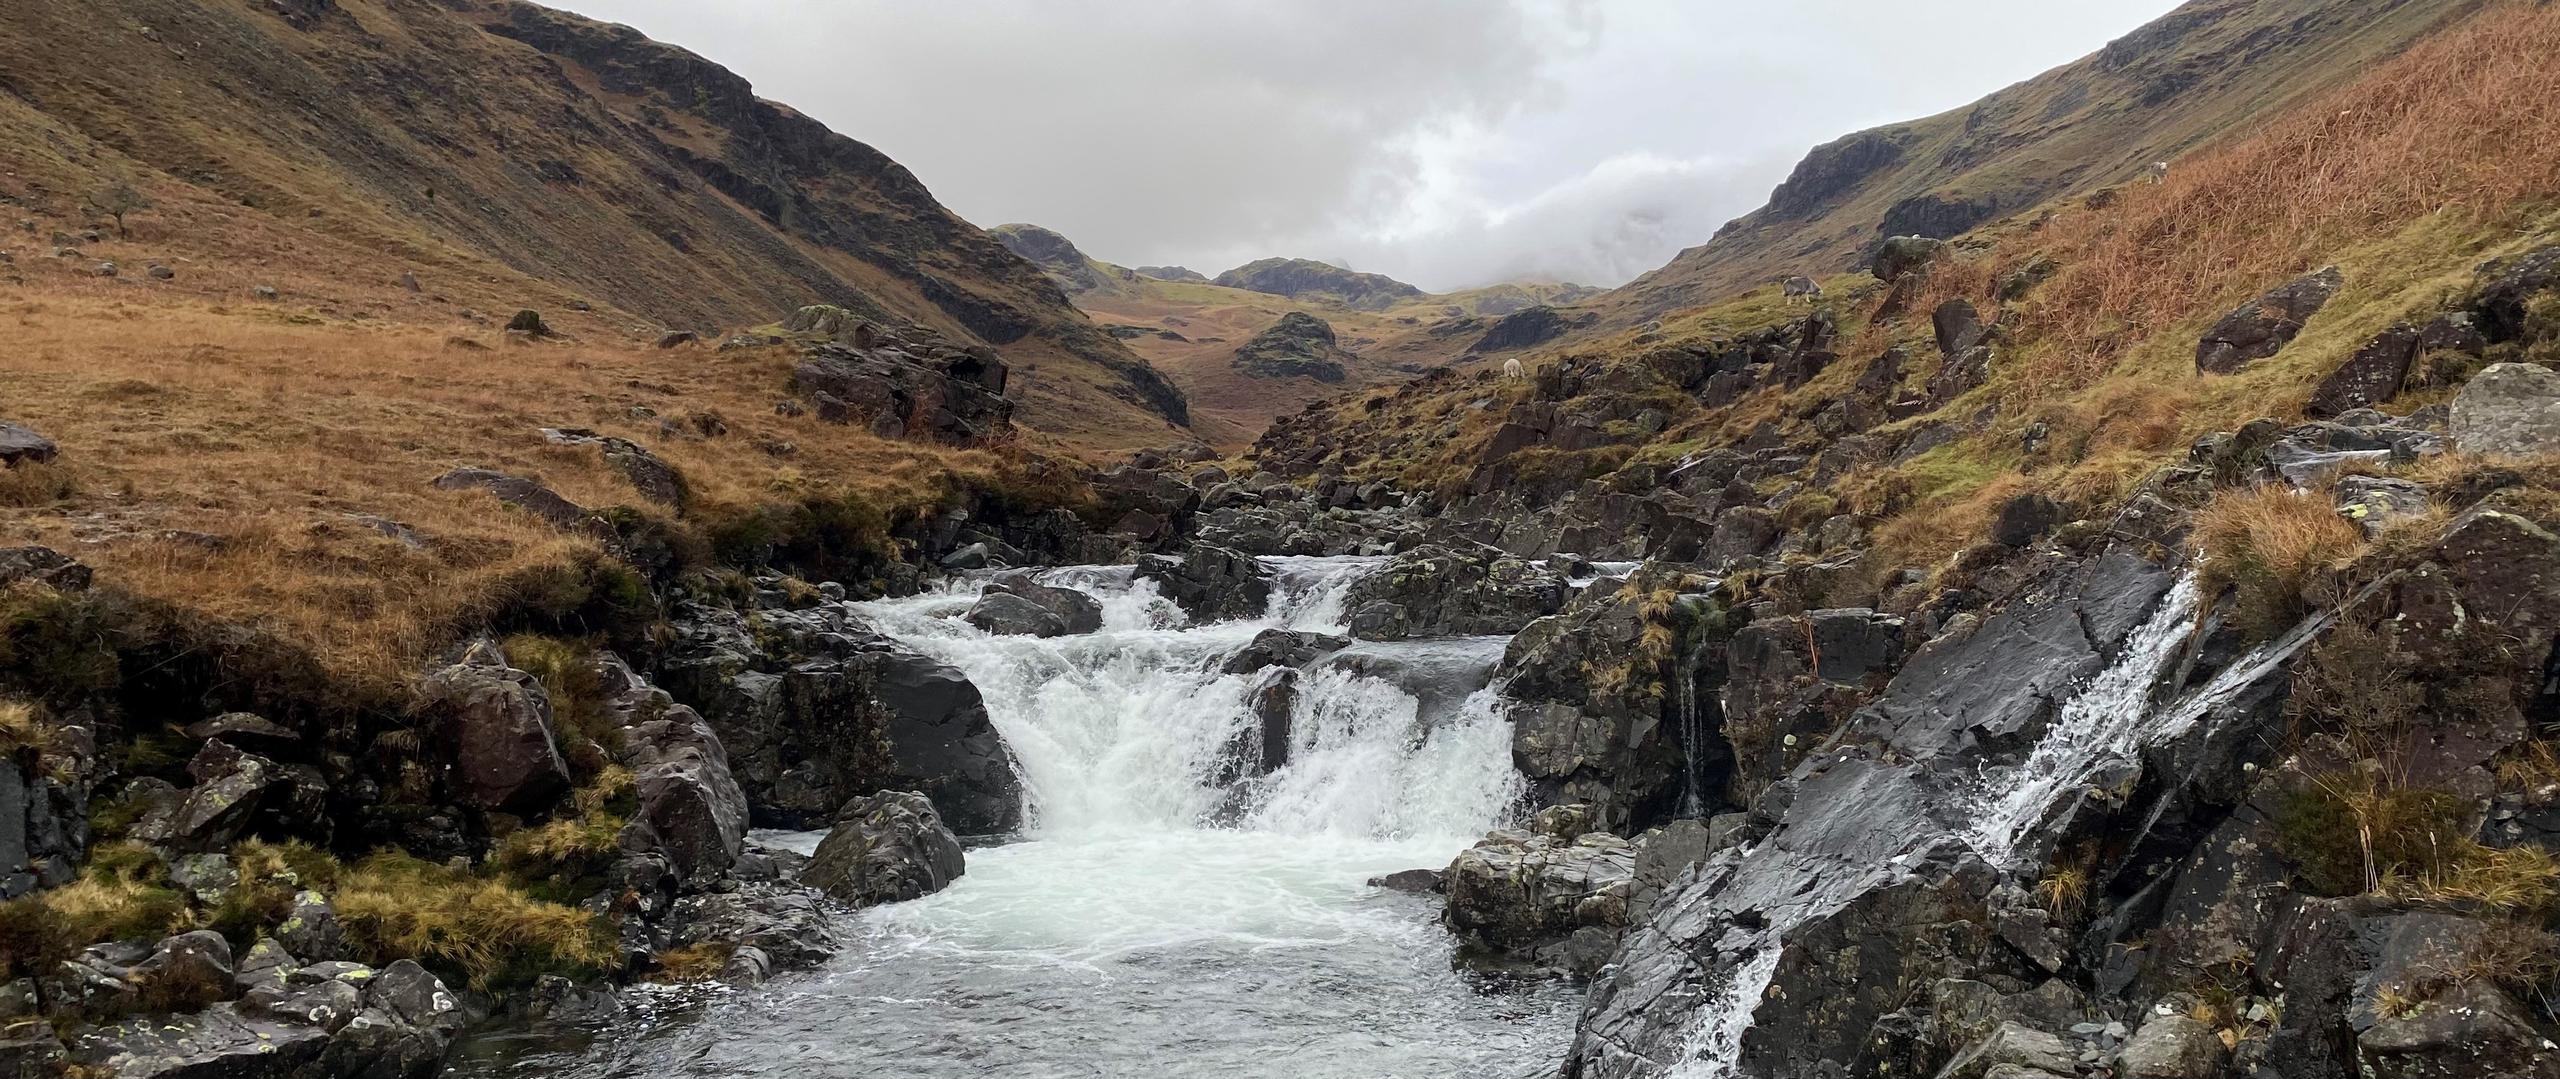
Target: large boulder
x,y
814,708
523,494
21,445
492,728
2371,376
902,389
2510,409
885,848
1901,255
1555,895
691,810
1436,591
2262,327
1212,583
1017,603
44,826
234,793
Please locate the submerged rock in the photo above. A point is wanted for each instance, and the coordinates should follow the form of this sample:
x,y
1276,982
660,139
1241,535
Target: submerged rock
x,y
1018,604
886,848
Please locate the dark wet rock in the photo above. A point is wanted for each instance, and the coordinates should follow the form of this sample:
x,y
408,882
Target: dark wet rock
x,y
1959,375
651,475
2263,326
20,445
528,322
521,493
1413,881
2338,961
1901,255
2510,409
793,925
1211,583
2025,519
493,730
691,809
1283,648
233,792
1436,591
1958,327
2509,286
885,848
44,826
1791,680
2370,377
1017,603
311,931
44,566
1300,345
1525,328
677,338
815,708
1597,717
328,1020
1163,497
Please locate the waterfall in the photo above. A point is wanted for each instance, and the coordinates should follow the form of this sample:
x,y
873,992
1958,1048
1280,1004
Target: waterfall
x,y
2106,719
1135,727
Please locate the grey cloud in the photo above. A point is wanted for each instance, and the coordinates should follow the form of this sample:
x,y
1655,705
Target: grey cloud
x,y
1447,142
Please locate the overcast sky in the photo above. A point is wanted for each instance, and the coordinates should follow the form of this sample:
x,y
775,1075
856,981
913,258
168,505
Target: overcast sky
x,y
1449,143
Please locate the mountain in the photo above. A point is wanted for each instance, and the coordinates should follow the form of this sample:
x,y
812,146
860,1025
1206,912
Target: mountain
x,y
1307,279
510,142
2206,69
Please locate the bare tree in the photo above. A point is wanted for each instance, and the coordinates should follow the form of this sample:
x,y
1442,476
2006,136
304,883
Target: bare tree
x,y
117,199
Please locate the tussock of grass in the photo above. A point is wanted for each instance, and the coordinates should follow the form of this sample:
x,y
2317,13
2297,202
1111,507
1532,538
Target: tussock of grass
x,y
2271,547
487,933
123,894
692,963
19,728
31,485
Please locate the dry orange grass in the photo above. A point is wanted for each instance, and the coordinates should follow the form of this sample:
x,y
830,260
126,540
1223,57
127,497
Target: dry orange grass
x,y
2274,548
2458,125
233,463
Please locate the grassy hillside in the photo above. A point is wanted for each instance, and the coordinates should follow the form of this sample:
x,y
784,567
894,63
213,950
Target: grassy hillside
x,y
2408,178
511,155
2210,68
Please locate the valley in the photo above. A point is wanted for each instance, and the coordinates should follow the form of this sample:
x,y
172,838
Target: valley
x,y
521,557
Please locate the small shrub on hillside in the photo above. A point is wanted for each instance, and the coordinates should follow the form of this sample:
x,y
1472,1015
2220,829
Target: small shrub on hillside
x,y
61,647
33,484
20,729
2352,834
567,860
271,875
123,894
567,671
2273,549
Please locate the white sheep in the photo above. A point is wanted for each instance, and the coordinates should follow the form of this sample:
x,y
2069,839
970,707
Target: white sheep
x,y
1799,285
2159,172
1511,368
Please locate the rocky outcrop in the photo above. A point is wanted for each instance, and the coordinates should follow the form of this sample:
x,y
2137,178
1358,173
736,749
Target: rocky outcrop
x,y
1300,345
236,795
690,810
2370,377
1604,718
900,389
2510,409
1017,603
44,824
1174,273
815,709
1212,584
523,494
2263,326
1899,256
1056,256
651,475
2508,287
1526,328
22,445
1436,591
1305,279
44,566
1555,895
493,731
885,848
296,1021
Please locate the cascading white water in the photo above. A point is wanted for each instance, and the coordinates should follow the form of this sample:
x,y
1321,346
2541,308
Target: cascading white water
x,y
1136,726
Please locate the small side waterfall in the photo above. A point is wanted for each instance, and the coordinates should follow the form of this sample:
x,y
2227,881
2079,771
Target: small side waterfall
x,y
2107,719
